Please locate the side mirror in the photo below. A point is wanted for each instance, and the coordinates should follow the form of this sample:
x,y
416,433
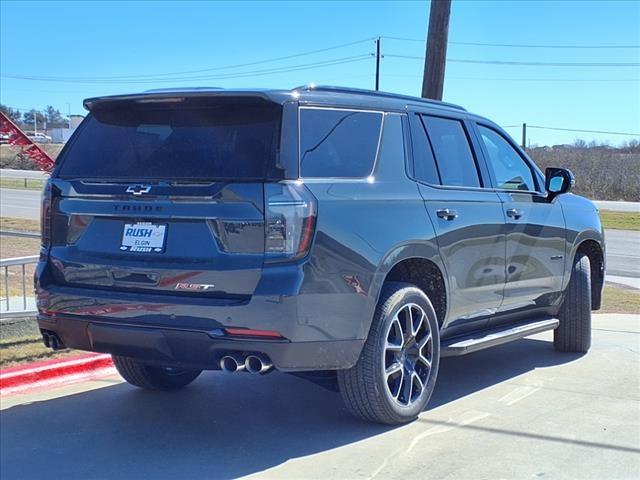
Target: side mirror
x,y
558,181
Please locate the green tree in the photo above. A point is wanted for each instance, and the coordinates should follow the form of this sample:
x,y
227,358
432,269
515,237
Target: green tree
x,y
12,113
31,114
53,115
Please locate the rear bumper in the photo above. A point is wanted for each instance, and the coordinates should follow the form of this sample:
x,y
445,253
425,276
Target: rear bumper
x,y
196,349
188,332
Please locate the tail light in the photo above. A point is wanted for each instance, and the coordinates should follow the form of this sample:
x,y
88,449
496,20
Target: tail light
x,y
45,217
290,220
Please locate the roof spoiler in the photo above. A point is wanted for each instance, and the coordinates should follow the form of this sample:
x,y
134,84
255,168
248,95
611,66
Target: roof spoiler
x,y
166,95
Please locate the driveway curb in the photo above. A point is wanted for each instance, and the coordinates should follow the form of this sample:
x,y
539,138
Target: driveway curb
x,y
55,372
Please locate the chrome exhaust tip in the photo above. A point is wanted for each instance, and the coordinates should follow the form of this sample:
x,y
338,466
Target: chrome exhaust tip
x,y
232,363
258,364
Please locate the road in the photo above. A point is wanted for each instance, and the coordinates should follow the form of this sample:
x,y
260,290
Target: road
x,y
517,411
19,203
31,174
623,253
618,206
623,247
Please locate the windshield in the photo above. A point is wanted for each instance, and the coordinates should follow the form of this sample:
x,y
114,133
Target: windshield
x,y
192,139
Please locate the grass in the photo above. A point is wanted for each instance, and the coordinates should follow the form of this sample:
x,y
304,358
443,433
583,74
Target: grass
x,y
11,247
31,184
10,156
27,349
620,300
22,224
620,220
17,247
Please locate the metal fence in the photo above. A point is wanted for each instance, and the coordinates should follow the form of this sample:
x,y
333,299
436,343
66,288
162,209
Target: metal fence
x,y
21,264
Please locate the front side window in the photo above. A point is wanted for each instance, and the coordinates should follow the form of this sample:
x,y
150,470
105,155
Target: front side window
x,y
453,154
510,171
338,143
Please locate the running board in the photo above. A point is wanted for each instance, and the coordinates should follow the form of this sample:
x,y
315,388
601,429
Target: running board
x,y
491,338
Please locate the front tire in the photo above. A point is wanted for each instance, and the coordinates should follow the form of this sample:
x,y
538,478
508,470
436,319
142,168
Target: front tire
x,y
574,332
394,377
152,377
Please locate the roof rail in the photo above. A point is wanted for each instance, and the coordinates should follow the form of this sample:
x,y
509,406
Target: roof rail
x,y
363,91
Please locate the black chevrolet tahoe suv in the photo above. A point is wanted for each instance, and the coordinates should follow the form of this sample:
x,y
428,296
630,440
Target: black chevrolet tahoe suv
x,y
346,236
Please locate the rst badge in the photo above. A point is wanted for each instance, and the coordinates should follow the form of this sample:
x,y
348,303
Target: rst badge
x,y
194,287
143,237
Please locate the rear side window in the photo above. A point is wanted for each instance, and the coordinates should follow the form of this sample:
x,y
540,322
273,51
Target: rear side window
x,y
424,164
338,143
194,139
453,154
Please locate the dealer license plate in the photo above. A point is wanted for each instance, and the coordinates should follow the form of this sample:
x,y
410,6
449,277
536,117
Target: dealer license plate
x,y
143,237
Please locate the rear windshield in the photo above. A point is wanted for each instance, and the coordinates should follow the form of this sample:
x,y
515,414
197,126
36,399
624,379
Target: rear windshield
x,y
192,139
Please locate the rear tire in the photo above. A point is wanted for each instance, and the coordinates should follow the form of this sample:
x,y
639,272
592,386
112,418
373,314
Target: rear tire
x,y
394,377
152,377
574,332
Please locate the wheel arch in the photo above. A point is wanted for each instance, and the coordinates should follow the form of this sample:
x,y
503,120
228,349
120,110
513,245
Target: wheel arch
x,y
594,251
591,243
420,264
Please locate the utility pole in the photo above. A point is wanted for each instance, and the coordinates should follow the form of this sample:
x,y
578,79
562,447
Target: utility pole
x,y
377,64
436,54
524,136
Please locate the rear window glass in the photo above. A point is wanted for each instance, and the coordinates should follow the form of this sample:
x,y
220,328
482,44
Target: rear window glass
x,y
189,140
338,143
456,164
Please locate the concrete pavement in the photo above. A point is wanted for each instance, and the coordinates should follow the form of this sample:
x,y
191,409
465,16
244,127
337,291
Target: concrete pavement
x,y
517,411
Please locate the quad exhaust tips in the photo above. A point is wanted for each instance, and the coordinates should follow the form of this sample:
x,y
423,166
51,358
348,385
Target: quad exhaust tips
x,y
51,340
256,363
232,363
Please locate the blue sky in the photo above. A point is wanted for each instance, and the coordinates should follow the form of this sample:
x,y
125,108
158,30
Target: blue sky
x,y
75,40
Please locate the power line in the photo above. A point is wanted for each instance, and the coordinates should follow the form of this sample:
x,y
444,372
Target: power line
x,y
526,79
152,76
583,131
540,127
242,74
545,64
521,45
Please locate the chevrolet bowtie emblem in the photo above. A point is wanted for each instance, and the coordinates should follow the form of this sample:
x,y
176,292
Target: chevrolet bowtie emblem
x,y
138,189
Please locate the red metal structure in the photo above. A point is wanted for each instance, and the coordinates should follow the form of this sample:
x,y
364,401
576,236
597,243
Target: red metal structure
x,y
19,139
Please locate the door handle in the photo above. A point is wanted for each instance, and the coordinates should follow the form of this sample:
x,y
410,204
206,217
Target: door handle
x,y
514,213
447,213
